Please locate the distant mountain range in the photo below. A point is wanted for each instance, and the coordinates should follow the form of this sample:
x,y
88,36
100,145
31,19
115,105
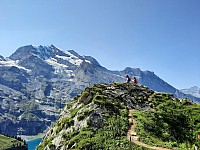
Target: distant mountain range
x,y
194,91
36,82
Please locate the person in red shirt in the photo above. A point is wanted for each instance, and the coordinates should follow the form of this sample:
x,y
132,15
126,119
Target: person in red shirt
x,y
135,81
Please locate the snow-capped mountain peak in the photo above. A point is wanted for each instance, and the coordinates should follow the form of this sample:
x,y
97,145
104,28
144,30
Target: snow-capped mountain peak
x,y
49,56
48,52
42,52
71,56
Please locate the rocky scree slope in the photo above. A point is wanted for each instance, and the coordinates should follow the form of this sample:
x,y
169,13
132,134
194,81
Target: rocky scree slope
x,y
97,118
37,82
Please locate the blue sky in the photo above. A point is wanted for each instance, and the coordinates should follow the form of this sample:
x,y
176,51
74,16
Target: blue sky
x,y
157,35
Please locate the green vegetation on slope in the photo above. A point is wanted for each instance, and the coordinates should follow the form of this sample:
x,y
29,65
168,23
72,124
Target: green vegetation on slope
x,y
12,143
111,135
98,119
172,122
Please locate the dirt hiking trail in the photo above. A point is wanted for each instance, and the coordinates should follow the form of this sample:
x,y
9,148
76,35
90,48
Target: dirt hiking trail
x,y
132,135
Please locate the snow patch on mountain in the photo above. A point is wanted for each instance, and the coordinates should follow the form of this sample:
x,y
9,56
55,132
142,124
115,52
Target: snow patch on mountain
x,y
53,62
72,59
13,63
87,61
59,68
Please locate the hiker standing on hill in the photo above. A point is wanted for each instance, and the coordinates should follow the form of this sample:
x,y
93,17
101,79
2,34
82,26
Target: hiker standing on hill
x,y
128,79
135,81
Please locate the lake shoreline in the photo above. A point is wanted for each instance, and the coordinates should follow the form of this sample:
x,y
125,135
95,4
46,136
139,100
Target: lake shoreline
x,y
32,144
29,138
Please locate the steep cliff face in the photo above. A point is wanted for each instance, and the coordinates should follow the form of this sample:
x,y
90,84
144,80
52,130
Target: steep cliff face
x,y
98,119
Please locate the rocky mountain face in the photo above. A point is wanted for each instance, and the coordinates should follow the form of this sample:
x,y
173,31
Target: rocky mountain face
x,y
194,91
36,82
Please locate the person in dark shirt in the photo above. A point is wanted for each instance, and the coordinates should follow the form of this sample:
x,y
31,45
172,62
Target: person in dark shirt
x,y
128,79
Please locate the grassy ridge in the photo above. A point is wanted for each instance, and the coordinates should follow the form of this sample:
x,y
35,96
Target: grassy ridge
x,y
162,120
111,135
9,143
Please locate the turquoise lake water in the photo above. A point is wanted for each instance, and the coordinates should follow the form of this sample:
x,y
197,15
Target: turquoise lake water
x,y
32,144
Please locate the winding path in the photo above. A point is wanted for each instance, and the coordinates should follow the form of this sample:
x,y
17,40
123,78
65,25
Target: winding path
x,y
133,135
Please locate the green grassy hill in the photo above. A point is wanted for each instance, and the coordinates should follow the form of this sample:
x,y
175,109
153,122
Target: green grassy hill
x,y
98,119
10,143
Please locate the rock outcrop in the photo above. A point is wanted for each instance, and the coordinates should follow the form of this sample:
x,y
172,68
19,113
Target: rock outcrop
x,y
99,109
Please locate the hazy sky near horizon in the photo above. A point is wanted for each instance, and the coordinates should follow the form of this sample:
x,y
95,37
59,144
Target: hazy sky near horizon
x,y
156,35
